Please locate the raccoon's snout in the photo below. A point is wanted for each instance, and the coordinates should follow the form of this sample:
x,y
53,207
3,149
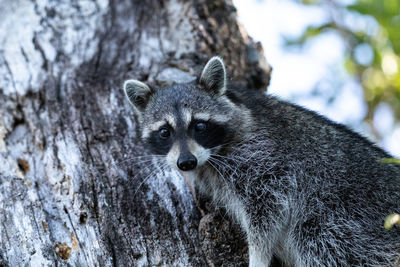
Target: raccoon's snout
x,y
187,162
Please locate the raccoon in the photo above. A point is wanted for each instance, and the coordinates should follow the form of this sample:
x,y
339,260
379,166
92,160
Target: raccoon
x,y
304,189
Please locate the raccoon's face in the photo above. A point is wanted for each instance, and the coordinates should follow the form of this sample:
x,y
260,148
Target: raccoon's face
x,y
187,123
187,136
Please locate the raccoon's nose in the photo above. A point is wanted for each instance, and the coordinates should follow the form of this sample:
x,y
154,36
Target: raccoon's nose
x,y
187,162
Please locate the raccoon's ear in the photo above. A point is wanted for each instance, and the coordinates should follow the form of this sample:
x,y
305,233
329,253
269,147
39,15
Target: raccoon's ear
x,y
213,76
138,94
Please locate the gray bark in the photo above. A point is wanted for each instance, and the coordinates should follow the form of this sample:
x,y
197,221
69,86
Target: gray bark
x,y
75,185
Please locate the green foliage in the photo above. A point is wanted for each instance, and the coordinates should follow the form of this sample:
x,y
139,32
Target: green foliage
x,y
391,220
380,76
391,161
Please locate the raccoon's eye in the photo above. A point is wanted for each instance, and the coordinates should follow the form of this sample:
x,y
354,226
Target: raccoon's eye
x,y
164,133
200,126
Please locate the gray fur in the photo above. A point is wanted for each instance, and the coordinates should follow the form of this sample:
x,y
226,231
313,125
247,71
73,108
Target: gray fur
x,y
138,94
213,77
304,189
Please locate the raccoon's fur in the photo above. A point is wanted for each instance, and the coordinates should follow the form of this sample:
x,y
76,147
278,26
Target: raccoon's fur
x,y
304,189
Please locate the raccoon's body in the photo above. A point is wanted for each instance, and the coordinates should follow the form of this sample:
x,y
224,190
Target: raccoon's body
x,y
304,189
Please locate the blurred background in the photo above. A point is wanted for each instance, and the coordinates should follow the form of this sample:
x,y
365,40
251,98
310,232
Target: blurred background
x,y
337,57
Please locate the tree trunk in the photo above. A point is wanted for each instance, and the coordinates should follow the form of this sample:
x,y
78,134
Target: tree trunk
x,y
76,187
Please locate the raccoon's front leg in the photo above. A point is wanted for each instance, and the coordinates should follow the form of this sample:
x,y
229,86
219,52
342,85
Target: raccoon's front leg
x,y
258,257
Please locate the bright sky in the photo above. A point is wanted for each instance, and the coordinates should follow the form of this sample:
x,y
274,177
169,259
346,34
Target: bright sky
x,y
314,76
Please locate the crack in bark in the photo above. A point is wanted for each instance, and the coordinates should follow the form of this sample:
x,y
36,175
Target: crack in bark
x,y
113,252
9,71
39,48
76,235
36,223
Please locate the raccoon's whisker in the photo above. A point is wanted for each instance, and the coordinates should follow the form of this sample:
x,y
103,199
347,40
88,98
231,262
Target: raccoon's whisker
x,y
154,165
219,161
145,156
225,164
238,147
234,158
150,157
234,143
226,178
150,175
216,169
231,157
140,172
221,145
226,144
147,160
136,163
230,162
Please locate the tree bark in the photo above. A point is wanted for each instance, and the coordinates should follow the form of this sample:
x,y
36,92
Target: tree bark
x,y
76,185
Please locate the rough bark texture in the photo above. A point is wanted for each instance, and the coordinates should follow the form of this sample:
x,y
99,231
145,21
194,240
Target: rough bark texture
x,y
74,189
